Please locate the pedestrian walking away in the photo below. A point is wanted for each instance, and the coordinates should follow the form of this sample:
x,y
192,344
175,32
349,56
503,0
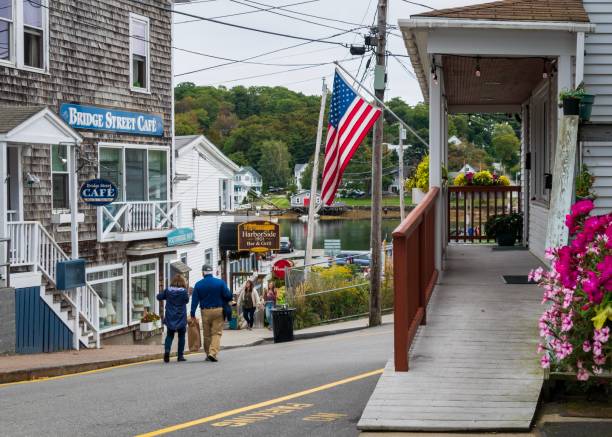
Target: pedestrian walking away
x,y
270,302
210,294
249,301
175,315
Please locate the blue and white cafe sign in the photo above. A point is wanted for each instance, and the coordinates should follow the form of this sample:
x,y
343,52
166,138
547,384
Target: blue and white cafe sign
x,y
111,120
99,192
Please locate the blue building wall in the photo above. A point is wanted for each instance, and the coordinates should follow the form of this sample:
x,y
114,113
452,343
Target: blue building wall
x,y
38,329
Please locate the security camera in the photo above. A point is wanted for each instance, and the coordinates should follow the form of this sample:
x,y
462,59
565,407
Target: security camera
x,y
32,179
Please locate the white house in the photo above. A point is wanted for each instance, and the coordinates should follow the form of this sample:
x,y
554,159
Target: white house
x,y
454,140
204,182
298,171
246,179
302,199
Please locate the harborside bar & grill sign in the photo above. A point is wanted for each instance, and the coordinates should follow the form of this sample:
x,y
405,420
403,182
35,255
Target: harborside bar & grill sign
x,y
111,120
258,236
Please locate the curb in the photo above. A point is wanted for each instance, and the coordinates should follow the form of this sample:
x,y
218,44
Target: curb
x,y
17,376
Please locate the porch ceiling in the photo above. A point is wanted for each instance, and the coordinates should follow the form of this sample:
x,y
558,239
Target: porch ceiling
x,y
502,82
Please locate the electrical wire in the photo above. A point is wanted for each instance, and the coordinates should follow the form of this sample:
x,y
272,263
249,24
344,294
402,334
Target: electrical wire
x,y
419,4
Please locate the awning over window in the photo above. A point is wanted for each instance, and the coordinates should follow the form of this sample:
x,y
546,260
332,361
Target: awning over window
x,y
153,247
228,236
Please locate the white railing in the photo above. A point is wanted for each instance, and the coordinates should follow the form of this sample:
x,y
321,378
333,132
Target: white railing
x,y
31,245
126,217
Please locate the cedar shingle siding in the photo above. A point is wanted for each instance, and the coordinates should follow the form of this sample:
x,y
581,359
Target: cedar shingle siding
x,y
89,64
517,10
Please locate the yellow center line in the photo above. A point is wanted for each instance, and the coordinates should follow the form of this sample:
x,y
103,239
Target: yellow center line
x,y
252,407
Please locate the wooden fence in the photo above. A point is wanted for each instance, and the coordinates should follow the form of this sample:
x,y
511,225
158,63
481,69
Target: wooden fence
x,y
414,274
469,208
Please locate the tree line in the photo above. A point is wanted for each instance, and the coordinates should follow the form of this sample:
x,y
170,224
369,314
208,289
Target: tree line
x,y
274,128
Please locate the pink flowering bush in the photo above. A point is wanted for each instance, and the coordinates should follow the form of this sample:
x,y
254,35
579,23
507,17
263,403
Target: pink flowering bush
x,y
575,328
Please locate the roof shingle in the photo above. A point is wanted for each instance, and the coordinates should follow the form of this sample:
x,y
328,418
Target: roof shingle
x,y
13,116
517,10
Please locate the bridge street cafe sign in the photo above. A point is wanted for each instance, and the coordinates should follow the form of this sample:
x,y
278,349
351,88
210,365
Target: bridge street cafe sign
x,y
111,120
258,236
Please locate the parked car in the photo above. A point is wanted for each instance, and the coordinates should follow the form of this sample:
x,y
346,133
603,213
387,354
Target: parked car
x,y
358,258
286,246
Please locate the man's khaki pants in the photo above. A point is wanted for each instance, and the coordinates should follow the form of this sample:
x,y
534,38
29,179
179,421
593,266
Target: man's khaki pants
x,y
212,323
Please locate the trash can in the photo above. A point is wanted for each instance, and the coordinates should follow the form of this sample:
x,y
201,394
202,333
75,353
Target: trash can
x,y
233,323
282,324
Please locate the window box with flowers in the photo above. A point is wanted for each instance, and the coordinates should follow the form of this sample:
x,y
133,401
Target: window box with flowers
x,y
483,178
575,328
150,322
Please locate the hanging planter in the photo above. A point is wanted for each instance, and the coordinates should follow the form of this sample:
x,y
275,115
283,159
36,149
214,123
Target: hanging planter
x,y
586,106
571,101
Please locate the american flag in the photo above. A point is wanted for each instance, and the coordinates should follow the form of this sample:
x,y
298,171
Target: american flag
x,y
350,120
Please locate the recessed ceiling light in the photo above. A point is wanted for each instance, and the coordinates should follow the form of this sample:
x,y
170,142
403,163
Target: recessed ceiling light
x,y
493,83
488,99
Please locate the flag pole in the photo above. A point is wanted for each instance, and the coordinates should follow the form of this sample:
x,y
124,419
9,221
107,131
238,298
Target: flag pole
x,y
381,103
313,182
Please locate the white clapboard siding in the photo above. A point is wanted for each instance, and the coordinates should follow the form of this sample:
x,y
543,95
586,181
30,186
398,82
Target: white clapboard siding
x,y
598,158
201,191
598,59
538,227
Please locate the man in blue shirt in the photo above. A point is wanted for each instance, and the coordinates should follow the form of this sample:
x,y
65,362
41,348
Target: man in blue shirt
x,y
210,293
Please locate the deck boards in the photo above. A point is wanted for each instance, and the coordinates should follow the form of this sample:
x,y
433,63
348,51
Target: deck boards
x,y
474,366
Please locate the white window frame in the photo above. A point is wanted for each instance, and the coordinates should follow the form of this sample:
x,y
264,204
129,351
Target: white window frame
x,y
13,45
126,308
67,172
139,146
136,275
143,19
212,256
16,58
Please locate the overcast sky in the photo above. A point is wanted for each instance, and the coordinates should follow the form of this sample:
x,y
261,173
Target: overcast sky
x,y
224,41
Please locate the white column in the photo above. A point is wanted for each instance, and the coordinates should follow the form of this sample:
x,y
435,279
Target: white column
x,y
74,202
435,155
3,200
564,76
579,58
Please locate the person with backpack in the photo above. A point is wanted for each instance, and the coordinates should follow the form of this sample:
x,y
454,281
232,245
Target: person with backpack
x,y
175,315
212,295
249,301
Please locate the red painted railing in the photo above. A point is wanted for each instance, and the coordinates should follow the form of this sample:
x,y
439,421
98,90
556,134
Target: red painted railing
x,y
414,274
470,207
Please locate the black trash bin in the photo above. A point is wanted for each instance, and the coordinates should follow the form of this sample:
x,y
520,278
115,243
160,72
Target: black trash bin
x,y
282,324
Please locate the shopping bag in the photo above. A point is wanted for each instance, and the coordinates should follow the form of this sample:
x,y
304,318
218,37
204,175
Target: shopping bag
x,y
193,334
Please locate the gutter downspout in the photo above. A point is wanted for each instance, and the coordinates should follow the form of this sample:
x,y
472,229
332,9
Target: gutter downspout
x,y
579,58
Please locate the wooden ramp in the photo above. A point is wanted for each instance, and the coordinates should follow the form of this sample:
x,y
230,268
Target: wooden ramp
x,y
474,366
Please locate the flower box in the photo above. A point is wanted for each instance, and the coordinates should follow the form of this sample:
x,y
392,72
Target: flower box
x,y
158,324
147,327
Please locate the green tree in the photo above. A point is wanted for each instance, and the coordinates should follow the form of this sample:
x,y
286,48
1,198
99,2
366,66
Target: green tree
x,y
274,163
505,145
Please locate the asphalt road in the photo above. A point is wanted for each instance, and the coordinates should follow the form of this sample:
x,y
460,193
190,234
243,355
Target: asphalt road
x,y
308,387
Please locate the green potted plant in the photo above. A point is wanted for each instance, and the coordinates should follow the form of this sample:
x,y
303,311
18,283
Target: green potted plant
x,y
586,106
584,184
571,100
505,229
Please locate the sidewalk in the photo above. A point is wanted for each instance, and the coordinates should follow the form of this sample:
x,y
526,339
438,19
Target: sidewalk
x,y
16,368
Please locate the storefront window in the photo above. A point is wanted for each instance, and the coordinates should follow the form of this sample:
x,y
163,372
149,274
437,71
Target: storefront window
x,y
108,281
143,288
111,167
135,174
59,175
158,173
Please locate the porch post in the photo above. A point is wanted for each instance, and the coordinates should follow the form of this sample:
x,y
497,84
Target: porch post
x,y
435,156
579,58
74,202
3,199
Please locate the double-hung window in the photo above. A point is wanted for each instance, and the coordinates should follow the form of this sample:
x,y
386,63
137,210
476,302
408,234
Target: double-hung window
x,y
139,53
23,33
143,288
109,283
60,177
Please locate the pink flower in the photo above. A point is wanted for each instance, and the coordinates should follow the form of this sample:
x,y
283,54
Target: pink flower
x,y
586,346
602,335
599,360
545,362
541,348
591,287
597,351
582,375
564,350
566,322
597,370
582,207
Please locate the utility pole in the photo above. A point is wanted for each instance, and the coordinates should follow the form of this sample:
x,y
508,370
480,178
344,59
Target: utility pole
x,y
400,176
313,182
376,233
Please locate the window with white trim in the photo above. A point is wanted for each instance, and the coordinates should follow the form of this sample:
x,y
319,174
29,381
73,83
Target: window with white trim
x,y
23,33
109,283
143,288
139,53
60,177
208,257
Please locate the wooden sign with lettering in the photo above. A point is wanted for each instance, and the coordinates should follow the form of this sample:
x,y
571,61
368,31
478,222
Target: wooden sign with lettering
x,y
258,236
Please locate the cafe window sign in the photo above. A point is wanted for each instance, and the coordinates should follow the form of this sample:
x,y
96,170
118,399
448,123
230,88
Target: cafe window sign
x,y
111,120
258,236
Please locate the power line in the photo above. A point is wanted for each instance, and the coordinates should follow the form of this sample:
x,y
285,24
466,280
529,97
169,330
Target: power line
x,y
244,62
419,4
248,12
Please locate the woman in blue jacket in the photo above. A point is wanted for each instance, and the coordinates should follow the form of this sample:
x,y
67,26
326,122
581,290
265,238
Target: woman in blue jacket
x,y
175,315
